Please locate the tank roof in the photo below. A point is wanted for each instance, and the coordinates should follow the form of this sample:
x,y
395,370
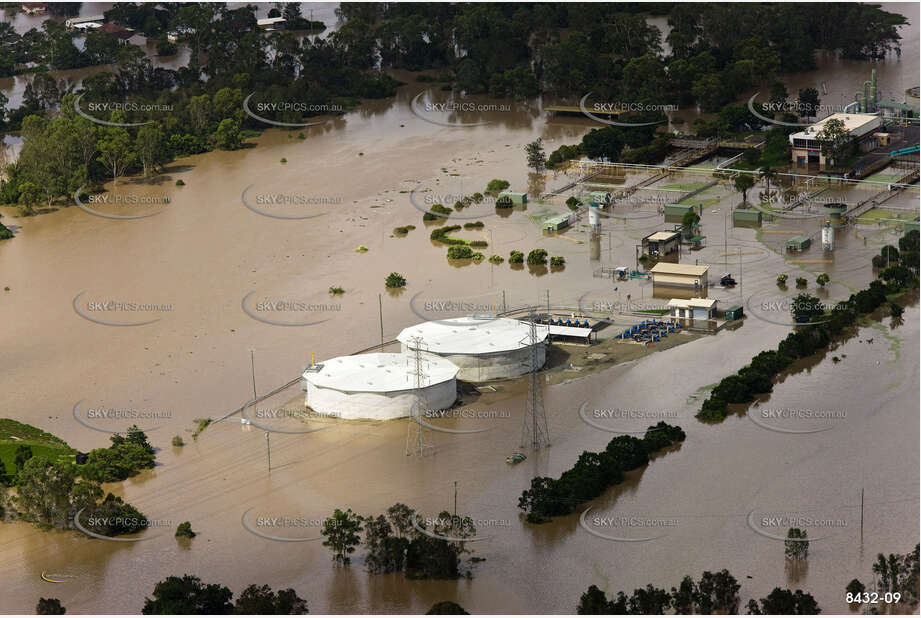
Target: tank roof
x,y
472,335
379,372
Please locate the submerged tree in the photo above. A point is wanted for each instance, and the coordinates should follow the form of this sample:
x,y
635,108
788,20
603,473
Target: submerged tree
x,y
796,549
341,532
537,159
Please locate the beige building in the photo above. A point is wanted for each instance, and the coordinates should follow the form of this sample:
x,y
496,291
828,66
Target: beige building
x,y
807,151
662,246
680,280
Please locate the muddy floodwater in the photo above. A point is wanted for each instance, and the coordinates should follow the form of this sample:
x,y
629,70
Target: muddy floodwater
x,y
186,275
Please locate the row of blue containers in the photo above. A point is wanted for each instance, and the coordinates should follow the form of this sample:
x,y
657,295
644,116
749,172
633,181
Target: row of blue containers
x,y
576,323
647,328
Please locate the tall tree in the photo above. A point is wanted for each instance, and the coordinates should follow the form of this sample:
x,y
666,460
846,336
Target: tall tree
x,y
150,145
742,183
116,151
537,159
341,532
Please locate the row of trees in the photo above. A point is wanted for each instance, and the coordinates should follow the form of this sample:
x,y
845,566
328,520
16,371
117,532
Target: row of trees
x,y
594,472
627,144
895,573
400,541
713,593
188,595
64,153
50,493
757,377
716,50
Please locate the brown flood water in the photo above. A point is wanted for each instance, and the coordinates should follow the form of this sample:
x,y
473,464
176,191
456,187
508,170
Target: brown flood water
x,y
205,251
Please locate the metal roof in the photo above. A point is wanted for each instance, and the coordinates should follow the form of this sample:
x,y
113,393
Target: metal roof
x,y
472,335
690,303
667,268
856,124
380,372
570,331
662,235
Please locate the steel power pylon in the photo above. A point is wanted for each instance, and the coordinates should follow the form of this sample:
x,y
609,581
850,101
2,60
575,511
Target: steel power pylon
x,y
534,432
415,430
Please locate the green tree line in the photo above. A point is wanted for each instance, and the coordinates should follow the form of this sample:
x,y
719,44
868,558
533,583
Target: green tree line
x,y
594,472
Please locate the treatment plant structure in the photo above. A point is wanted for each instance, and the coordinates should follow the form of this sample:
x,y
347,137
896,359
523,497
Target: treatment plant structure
x,y
483,347
379,386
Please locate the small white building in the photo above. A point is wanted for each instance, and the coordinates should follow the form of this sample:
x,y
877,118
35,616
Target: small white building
x,y
692,308
378,386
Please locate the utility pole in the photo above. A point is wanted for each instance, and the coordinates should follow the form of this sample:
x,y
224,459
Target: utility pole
x,y
455,499
740,273
725,241
252,366
268,450
380,310
504,308
861,514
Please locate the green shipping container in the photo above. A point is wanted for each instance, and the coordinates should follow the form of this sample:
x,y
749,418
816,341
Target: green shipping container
x,y
734,313
674,213
746,216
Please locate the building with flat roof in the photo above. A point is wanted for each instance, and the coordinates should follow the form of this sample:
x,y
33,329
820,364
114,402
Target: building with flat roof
x,y
663,246
679,280
798,243
378,386
483,347
558,222
692,308
514,197
807,151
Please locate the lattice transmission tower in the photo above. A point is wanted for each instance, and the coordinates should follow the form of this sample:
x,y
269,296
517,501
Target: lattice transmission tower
x,y
534,431
416,443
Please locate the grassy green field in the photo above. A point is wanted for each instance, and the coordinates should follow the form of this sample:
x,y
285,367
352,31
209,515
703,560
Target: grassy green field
x,y
882,213
684,186
880,177
14,433
707,202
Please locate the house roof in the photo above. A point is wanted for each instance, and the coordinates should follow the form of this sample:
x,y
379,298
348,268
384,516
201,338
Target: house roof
x,y
693,303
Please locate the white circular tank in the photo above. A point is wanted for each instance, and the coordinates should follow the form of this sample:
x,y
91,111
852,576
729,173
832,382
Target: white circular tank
x,y
828,237
594,218
378,386
484,348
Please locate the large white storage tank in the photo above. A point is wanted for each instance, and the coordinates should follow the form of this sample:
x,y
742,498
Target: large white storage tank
x,y
378,386
484,348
